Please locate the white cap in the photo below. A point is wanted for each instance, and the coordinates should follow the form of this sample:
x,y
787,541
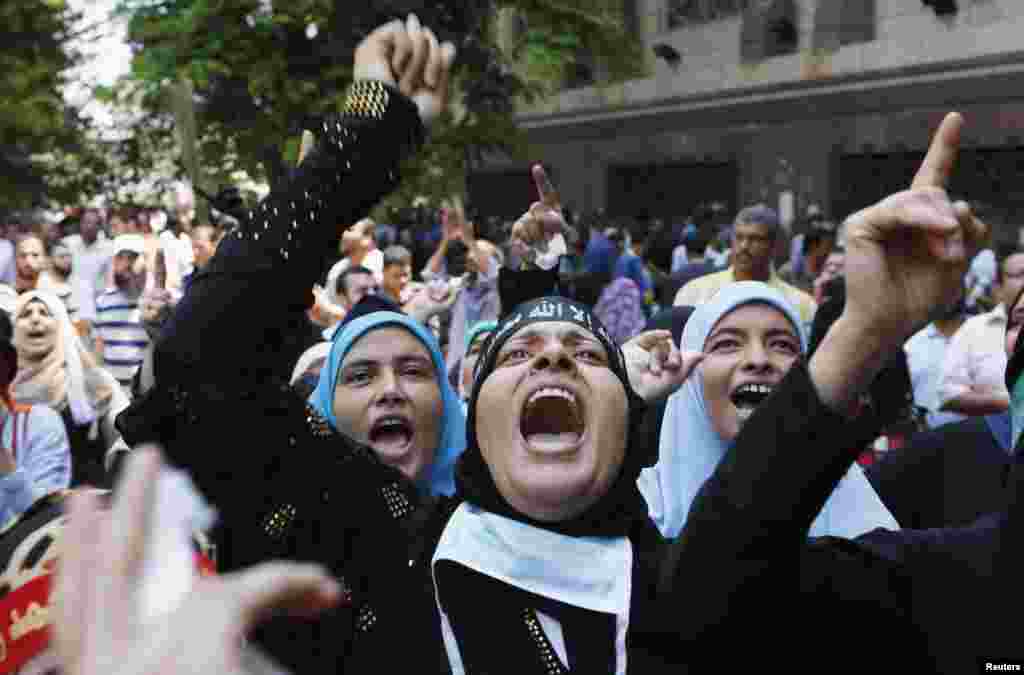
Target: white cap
x,y
132,243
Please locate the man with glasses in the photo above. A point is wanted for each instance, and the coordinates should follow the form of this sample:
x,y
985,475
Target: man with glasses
x,y
755,234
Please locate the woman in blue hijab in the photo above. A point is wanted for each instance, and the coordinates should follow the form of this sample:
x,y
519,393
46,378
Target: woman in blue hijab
x,y
743,363
384,385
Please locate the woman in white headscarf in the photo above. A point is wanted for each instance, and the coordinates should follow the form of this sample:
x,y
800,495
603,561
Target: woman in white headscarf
x,y
750,336
55,369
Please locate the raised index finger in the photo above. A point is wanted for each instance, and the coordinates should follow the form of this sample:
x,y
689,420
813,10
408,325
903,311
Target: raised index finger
x,y
938,164
546,191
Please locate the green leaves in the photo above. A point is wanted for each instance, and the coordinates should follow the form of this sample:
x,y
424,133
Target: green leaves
x,y
258,76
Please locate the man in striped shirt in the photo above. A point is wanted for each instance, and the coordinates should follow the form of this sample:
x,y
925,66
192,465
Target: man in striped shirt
x,y
121,338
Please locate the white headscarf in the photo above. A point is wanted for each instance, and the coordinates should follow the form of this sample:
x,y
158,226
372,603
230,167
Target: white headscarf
x,y
61,377
690,448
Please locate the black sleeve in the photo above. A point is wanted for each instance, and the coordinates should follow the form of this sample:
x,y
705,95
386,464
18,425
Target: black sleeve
x,y
746,540
238,318
746,530
909,480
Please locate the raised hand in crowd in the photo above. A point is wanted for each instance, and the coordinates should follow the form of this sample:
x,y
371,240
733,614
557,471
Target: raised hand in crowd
x,y
539,236
98,628
905,261
424,303
408,56
655,365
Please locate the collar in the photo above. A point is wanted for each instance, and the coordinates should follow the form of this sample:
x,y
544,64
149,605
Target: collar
x,y
773,277
997,314
594,573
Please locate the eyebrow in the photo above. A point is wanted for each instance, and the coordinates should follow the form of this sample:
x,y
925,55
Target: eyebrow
x,y
368,361
574,335
774,332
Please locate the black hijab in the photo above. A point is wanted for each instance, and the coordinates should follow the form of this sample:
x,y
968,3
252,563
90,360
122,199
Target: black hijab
x,y
622,507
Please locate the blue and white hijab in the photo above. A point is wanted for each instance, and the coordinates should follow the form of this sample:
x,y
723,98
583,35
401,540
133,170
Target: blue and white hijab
x,y
690,448
440,478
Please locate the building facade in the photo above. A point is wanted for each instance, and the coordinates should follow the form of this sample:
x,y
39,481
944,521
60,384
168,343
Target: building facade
x,y
796,103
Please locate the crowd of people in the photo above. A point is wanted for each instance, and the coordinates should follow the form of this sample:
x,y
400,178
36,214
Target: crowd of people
x,y
557,445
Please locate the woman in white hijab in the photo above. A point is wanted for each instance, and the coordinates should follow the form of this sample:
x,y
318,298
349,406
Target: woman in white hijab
x,y
55,369
750,336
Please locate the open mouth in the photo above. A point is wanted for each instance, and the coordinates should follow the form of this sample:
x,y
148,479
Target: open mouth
x,y
552,420
747,397
391,434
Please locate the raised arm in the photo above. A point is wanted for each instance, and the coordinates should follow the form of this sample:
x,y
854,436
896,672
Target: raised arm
x,y
237,320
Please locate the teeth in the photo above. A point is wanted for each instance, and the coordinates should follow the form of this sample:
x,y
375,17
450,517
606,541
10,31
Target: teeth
x,y
754,389
552,391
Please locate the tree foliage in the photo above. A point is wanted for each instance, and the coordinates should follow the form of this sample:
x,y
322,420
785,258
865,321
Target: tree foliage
x,y
35,122
263,70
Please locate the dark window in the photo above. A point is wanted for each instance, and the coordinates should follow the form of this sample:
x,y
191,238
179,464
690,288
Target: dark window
x,y
672,191
988,176
843,22
682,13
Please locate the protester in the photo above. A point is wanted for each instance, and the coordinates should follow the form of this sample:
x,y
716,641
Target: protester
x,y
975,364
926,352
204,244
35,459
630,265
833,269
817,246
475,339
478,299
121,336
952,475
621,309
31,261
267,301
755,234
397,273
59,280
359,248
751,337
912,588
91,256
695,266
55,370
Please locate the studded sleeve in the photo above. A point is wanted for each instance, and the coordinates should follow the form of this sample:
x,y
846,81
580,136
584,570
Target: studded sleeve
x,y
240,317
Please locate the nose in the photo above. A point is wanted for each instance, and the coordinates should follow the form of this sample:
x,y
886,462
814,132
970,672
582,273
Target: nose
x,y
555,357
756,357
390,391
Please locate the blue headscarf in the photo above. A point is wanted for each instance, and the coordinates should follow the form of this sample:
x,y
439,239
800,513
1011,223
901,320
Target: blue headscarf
x,y
690,448
440,477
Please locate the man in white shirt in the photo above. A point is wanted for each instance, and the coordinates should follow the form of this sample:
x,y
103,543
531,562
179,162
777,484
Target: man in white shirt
x,y
974,369
359,245
91,253
926,351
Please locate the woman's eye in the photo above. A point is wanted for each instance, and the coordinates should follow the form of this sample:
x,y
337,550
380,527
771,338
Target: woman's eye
x,y
591,355
357,377
725,345
515,355
786,346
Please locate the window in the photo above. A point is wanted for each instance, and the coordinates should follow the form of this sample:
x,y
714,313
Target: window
x,y
682,13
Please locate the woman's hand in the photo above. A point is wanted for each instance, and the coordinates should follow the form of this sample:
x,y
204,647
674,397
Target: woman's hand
x,y
905,262
422,306
407,55
907,255
656,367
539,236
98,627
